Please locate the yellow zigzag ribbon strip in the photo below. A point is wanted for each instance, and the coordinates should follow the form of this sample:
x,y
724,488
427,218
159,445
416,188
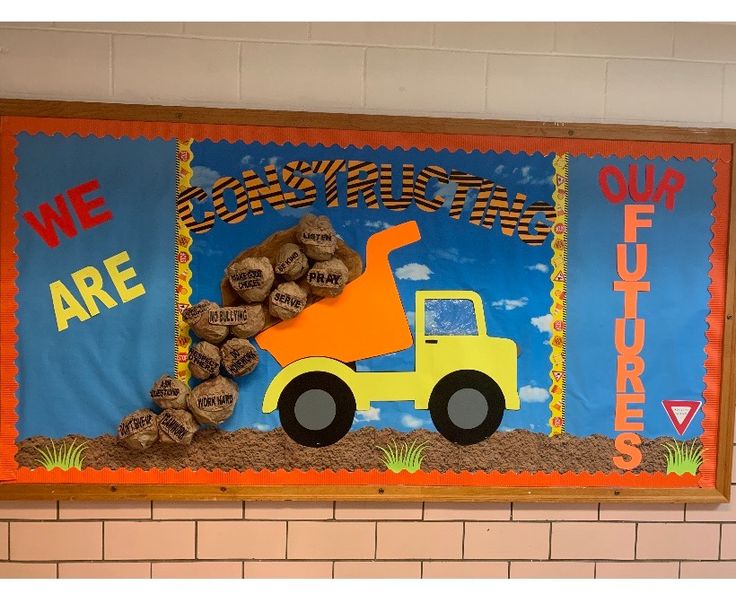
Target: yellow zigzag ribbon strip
x,y
558,293
183,259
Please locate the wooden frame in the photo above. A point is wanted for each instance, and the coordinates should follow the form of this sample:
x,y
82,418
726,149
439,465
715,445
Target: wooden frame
x,y
193,115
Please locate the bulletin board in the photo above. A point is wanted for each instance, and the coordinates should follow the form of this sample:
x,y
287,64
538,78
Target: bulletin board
x,y
203,303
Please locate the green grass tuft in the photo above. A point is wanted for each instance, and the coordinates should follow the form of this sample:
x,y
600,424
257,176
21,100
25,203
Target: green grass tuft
x,y
65,457
683,458
404,457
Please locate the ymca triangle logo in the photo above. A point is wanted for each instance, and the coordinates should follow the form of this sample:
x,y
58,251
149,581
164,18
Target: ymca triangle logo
x,y
681,412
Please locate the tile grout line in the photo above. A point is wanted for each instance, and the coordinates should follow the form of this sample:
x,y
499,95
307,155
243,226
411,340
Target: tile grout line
x,y
674,34
111,58
364,79
605,108
486,70
723,93
636,540
239,77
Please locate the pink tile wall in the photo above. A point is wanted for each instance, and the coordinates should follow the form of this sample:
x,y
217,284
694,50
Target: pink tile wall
x,y
344,540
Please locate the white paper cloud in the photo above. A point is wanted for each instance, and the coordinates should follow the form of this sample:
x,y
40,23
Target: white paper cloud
x,y
533,394
543,323
204,177
411,421
372,414
538,267
509,304
413,271
378,225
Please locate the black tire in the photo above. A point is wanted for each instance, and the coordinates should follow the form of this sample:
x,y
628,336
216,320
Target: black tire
x,y
328,390
472,386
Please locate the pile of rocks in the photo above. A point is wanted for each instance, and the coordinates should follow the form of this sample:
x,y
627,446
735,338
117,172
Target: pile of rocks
x,y
294,271
182,412
289,271
303,265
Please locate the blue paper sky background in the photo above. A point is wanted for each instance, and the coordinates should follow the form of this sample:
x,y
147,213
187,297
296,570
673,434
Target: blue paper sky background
x,y
85,379
674,310
511,277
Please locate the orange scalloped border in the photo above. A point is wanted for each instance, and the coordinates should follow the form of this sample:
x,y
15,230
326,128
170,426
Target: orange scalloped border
x,y
714,321
10,126
8,306
356,477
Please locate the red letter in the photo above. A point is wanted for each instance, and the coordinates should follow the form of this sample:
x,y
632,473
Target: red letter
x,y
632,222
84,208
46,229
648,183
603,182
672,182
628,445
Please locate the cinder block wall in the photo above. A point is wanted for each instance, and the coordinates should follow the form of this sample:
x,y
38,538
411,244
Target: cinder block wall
x,y
656,73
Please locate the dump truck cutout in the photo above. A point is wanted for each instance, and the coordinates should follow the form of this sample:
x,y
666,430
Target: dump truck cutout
x,y
465,378
366,320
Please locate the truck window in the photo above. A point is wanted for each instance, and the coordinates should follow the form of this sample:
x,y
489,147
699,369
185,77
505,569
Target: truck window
x,y
450,317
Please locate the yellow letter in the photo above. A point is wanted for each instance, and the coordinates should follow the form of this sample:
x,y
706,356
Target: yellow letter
x,y
92,290
61,295
119,277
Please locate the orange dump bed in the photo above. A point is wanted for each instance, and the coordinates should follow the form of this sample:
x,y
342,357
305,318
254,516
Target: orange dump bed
x,y
366,320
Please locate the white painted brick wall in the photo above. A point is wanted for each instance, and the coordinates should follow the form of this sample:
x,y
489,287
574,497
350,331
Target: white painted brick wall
x,y
428,80
660,73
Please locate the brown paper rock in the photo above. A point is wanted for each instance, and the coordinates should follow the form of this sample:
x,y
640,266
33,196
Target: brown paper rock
x,y
327,279
251,278
213,401
291,263
170,392
204,360
317,236
287,300
177,426
239,356
197,316
139,430
254,321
